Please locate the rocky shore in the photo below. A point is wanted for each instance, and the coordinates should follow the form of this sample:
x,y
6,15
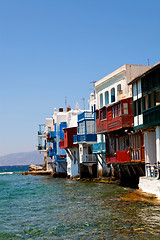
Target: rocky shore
x,y
139,196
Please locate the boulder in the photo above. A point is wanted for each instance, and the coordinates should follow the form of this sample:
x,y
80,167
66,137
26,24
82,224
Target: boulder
x,y
35,168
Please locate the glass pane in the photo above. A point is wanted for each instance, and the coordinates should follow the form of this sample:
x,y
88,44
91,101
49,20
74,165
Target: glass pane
x,y
157,97
101,100
113,95
125,108
106,98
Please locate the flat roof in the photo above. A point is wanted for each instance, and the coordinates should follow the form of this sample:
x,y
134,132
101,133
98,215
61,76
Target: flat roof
x,y
117,72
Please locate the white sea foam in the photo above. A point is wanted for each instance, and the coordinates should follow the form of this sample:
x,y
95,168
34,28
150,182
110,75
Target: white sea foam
x,y
6,172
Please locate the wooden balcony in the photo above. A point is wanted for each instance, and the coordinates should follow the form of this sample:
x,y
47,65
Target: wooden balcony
x,y
118,157
115,116
151,117
68,137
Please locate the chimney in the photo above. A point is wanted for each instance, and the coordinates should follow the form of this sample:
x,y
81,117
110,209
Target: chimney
x,y
68,109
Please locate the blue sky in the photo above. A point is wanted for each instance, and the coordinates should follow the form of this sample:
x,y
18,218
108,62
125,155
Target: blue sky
x,y
51,49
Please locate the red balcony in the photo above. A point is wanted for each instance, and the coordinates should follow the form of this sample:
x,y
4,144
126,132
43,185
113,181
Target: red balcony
x,y
119,157
101,120
68,137
115,116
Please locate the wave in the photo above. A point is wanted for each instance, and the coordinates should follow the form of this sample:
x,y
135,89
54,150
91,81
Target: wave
x,y
6,172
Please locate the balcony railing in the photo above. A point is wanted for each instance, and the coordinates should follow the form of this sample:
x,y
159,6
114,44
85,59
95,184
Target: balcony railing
x,y
99,147
151,116
85,138
152,170
89,158
85,115
41,148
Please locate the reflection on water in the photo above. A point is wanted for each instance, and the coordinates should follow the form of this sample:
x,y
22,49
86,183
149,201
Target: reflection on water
x,y
45,208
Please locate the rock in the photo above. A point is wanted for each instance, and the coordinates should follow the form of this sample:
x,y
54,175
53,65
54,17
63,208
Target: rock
x,y
35,168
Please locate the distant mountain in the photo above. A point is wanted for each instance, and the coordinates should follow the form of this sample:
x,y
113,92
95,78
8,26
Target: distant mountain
x,y
24,158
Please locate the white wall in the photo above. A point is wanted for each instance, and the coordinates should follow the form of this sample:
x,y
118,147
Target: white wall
x,y
150,147
150,185
123,76
158,143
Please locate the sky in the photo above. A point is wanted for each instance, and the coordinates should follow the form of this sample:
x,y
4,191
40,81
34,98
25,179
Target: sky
x,y
52,49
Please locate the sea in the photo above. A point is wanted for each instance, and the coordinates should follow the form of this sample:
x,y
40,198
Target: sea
x,y
42,207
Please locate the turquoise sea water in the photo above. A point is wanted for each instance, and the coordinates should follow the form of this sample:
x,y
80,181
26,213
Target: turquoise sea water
x,y
38,207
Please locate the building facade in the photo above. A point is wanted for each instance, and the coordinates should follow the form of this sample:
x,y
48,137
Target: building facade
x,y
114,119
146,113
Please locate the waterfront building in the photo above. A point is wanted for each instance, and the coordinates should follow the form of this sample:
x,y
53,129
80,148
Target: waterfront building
x,y
49,136
72,150
54,140
85,138
114,120
43,144
146,113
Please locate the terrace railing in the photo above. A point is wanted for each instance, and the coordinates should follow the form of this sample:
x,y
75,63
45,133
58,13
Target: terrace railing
x,y
85,115
89,158
85,138
151,116
152,170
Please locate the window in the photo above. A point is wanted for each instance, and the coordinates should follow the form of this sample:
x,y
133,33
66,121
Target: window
x,y
157,97
151,102
119,90
101,100
116,111
104,115
121,144
135,104
113,112
146,102
112,95
90,127
97,114
106,97
125,108
81,128
117,144
139,106
119,109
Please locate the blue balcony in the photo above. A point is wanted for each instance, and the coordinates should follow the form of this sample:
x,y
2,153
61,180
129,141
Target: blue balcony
x,y
52,152
85,138
41,129
52,134
86,116
99,147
